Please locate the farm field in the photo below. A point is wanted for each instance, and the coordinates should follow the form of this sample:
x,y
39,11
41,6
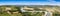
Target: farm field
x,y
20,10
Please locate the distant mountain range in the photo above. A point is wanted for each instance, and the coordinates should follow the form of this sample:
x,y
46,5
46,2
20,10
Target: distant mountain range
x,y
31,5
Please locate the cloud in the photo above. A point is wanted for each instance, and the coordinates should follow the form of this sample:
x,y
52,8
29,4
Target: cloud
x,y
52,2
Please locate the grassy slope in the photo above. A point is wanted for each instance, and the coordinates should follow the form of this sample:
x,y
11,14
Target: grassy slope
x,y
6,14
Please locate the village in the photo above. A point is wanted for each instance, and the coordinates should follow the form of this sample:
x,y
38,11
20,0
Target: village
x,y
29,11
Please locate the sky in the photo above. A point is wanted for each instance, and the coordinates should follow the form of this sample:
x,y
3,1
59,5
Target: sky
x,y
29,2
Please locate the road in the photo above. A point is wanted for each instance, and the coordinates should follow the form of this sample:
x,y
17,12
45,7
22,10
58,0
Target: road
x,y
48,14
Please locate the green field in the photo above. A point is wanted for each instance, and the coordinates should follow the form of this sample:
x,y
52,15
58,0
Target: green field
x,y
6,14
